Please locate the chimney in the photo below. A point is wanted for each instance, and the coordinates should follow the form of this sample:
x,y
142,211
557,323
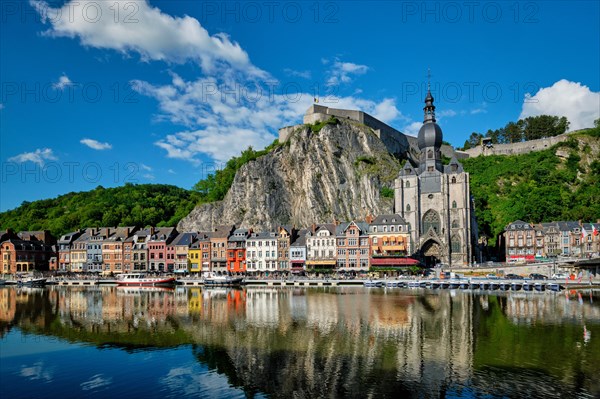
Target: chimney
x,y
151,230
107,231
313,228
369,219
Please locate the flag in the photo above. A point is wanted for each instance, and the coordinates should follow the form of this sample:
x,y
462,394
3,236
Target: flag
x,y
594,229
583,232
316,100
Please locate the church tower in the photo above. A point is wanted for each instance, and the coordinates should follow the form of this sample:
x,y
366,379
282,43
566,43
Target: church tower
x,y
435,200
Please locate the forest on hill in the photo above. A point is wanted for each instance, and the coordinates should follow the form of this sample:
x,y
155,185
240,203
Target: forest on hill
x,y
560,183
128,205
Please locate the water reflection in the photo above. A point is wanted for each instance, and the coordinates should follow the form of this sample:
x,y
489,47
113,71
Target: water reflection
x,y
331,342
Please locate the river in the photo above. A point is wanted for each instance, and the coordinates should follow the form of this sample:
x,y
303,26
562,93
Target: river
x,y
100,342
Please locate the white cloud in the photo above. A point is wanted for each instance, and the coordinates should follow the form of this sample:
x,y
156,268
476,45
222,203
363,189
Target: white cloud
x,y
148,176
39,156
221,123
144,30
145,167
299,74
63,82
573,100
412,129
1,106
96,145
341,72
446,113
171,171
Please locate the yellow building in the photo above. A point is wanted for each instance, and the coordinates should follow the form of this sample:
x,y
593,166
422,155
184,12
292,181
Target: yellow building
x,y
195,257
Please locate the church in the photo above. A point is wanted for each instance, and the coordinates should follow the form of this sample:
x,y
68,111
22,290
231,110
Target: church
x,y
435,200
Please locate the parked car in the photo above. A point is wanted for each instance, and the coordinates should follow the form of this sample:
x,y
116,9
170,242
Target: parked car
x,y
511,276
492,276
560,276
537,276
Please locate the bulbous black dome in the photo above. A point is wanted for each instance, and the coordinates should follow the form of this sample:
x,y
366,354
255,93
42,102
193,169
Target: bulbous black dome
x,y
430,135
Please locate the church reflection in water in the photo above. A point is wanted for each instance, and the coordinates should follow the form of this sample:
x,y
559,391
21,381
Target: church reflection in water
x,y
300,342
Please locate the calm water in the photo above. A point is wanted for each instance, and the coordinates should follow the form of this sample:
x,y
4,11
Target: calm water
x,y
305,343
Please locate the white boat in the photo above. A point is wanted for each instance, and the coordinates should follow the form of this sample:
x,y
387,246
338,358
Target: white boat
x,y
213,279
31,281
139,279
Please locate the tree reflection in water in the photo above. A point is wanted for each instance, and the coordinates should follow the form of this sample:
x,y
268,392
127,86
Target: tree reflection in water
x,y
330,342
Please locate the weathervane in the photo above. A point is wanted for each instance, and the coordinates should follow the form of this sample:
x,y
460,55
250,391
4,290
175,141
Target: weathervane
x,y
428,79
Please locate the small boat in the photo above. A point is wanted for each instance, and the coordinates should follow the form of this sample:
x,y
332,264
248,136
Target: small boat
x,y
554,287
539,287
31,282
454,284
414,284
139,279
215,280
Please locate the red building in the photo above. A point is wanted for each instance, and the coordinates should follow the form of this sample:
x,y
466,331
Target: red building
x,y
157,248
236,251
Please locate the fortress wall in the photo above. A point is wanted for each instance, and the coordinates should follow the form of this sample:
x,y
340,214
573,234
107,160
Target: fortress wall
x,y
396,142
517,148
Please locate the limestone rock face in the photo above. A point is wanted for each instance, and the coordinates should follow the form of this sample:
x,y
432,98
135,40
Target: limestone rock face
x,y
333,174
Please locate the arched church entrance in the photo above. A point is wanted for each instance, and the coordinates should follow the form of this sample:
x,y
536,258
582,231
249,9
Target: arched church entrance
x,y
431,252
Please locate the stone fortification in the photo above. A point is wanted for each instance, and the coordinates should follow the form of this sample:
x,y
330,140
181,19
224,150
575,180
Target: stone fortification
x,y
487,148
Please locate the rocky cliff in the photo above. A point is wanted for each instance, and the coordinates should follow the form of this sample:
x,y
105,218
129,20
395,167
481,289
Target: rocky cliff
x,y
333,174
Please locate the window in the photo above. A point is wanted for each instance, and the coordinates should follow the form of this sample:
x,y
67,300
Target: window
x,y
453,204
455,243
429,154
453,178
407,184
455,224
431,220
407,207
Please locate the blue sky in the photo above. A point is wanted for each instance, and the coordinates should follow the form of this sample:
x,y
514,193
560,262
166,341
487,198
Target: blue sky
x,y
109,92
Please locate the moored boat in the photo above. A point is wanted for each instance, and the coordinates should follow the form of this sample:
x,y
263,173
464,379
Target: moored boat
x,y
539,287
554,286
32,282
141,279
215,280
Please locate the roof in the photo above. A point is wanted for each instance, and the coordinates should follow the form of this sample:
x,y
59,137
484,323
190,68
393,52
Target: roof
x,y
69,237
263,235
568,225
327,226
458,168
239,235
388,219
519,225
342,227
184,239
223,231
301,240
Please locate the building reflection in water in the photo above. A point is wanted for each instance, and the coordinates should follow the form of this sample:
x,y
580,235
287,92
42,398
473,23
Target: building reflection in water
x,y
330,342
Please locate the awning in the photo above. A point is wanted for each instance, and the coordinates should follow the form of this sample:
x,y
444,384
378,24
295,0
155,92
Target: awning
x,y
394,262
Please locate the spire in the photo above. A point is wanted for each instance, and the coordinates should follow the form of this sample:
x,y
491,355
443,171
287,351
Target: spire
x,y
429,107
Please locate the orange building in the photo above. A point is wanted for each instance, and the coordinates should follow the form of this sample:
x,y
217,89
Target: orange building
x,y
236,251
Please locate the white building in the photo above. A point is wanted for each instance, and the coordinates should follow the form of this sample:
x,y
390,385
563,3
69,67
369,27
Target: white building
x,y
261,252
321,247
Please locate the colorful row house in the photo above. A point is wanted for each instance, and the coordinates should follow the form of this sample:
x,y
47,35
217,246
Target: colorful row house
x,y
527,242
236,251
262,255
353,247
26,251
